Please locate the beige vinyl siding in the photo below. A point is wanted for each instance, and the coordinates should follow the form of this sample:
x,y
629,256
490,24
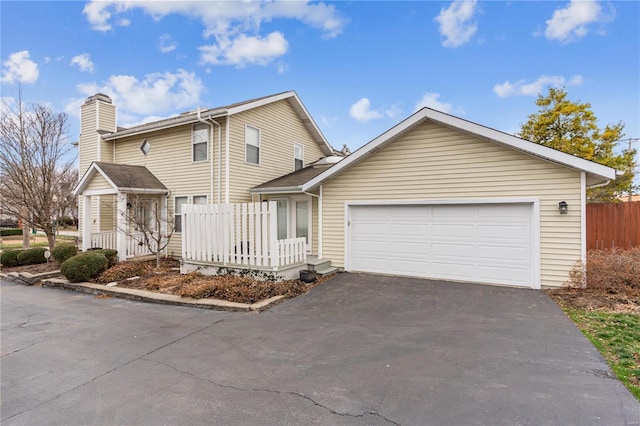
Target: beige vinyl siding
x,y
98,182
434,162
108,206
314,225
170,161
280,127
88,141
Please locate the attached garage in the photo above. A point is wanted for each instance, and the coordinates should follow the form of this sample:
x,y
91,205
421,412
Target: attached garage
x,y
440,197
485,243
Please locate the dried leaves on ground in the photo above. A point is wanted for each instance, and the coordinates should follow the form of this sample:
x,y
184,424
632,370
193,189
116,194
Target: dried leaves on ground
x,y
167,279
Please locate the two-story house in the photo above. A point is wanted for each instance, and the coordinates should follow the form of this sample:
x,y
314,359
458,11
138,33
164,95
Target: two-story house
x,y
256,185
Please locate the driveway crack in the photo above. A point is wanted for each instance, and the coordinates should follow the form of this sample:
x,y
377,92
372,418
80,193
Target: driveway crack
x,y
280,392
111,371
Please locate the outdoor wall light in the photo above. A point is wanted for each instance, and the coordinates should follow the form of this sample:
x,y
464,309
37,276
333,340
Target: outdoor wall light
x,y
563,207
129,205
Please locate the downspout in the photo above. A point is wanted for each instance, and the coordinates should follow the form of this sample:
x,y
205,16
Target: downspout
x,y
210,123
220,163
319,197
226,169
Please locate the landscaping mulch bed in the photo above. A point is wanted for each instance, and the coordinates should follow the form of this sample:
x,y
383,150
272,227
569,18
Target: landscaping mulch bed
x,y
167,279
597,300
51,266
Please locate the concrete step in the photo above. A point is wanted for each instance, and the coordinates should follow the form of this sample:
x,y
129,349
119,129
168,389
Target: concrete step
x,y
316,264
327,271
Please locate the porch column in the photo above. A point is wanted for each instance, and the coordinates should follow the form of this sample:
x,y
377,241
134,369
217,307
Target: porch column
x,y
121,226
163,218
86,222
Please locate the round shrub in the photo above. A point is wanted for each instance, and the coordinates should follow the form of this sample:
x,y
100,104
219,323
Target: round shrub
x,y
63,252
84,266
9,258
32,256
110,254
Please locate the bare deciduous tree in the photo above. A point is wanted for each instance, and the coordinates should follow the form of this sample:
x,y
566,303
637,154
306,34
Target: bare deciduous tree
x,y
36,173
147,224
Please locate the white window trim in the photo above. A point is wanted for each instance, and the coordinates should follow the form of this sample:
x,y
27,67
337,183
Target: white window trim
x,y
174,211
259,145
193,143
295,145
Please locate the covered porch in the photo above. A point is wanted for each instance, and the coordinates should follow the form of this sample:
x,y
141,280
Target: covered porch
x,y
118,204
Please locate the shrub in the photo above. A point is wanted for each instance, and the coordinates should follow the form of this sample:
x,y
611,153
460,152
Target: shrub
x,y
9,258
32,256
110,254
10,232
614,271
84,266
63,252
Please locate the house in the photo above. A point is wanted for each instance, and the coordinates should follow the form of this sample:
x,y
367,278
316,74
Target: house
x,y
435,196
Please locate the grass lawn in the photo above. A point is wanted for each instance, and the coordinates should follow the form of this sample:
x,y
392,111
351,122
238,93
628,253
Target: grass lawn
x,y
617,337
41,241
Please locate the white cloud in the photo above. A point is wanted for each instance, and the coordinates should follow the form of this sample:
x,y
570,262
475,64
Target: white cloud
x,y
83,62
431,100
522,88
166,43
245,50
362,112
455,22
234,25
159,94
19,68
571,23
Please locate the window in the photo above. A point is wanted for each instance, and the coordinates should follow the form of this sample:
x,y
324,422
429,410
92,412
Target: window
x,y
145,147
252,145
178,203
298,156
200,199
199,141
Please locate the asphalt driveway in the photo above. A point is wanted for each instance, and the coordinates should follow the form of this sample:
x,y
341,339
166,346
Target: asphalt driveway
x,y
359,349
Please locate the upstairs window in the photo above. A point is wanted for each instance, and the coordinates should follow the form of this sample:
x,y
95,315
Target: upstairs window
x,y
199,199
298,156
252,144
200,141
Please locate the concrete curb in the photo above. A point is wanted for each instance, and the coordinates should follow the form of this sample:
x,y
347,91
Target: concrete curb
x,y
28,278
166,299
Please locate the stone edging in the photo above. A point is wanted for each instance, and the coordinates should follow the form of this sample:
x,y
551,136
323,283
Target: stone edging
x,y
141,295
29,278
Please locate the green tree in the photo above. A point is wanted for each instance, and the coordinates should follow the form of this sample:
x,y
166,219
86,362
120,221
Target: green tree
x,y
572,127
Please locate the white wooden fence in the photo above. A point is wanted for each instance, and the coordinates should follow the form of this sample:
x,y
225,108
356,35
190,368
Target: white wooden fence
x,y
108,240
241,234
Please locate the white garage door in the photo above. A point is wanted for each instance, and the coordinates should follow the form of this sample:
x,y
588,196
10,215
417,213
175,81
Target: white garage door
x,y
485,243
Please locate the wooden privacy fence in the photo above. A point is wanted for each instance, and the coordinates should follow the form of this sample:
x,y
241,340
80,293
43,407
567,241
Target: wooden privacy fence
x,y
613,225
241,234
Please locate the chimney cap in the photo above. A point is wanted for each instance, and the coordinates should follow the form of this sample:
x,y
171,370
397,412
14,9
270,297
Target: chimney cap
x,y
98,97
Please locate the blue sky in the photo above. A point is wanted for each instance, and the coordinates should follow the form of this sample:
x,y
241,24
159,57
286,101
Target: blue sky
x,y
359,67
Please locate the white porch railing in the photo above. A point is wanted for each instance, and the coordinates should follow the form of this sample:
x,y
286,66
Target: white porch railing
x,y
108,240
243,234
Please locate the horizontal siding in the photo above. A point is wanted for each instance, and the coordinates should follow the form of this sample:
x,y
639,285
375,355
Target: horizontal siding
x,y
280,128
98,182
108,207
435,162
88,141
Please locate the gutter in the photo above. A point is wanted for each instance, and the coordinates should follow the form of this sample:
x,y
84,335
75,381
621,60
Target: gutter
x,y
211,122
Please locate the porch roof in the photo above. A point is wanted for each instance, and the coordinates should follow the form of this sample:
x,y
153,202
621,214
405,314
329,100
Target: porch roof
x,y
122,178
291,182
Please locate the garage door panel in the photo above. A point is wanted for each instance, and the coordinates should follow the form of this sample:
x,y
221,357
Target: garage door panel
x,y
501,232
451,230
454,251
478,243
410,230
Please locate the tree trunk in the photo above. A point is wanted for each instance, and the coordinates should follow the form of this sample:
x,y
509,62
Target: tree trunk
x,y
25,229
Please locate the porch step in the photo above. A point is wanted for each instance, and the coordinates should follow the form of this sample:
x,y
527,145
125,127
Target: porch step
x,y
316,264
327,271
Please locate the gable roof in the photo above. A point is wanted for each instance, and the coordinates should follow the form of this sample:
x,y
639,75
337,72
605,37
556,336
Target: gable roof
x,y
596,173
227,110
123,178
